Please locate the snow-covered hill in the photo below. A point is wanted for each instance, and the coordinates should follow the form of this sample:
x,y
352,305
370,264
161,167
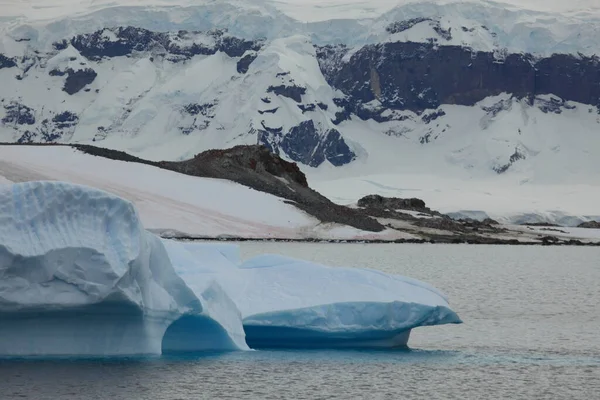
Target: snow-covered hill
x,y
499,94
175,204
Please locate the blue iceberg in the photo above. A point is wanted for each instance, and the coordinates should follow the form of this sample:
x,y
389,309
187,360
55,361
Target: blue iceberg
x,y
290,303
80,276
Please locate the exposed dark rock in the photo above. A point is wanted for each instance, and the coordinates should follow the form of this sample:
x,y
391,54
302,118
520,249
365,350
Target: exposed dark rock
x,y
427,118
401,26
244,63
304,143
549,240
271,111
590,225
444,33
235,47
495,109
419,76
553,105
276,131
543,224
202,113
130,39
330,57
77,80
293,92
65,120
256,167
63,44
6,62
393,203
18,114
445,224
516,156
195,108
323,106
307,107
300,144
335,149
50,131
56,72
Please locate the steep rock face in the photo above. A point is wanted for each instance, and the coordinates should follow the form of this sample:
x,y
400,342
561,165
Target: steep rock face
x,y
77,80
304,143
124,41
6,62
420,76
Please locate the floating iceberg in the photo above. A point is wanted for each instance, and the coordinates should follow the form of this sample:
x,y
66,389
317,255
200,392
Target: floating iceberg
x,y
80,276
292,303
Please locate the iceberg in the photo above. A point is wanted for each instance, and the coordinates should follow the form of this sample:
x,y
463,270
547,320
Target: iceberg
x,y
80,276
290,303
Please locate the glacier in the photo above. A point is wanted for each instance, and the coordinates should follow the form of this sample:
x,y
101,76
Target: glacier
x,y
80,276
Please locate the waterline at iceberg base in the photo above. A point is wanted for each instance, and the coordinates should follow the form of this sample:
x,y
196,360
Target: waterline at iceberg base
x,y
80,276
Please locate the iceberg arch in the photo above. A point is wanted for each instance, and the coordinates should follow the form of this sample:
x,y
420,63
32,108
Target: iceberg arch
x,y
80,276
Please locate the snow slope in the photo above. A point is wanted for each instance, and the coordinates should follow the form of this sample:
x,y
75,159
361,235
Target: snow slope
x,y
554,177
81,276
168,201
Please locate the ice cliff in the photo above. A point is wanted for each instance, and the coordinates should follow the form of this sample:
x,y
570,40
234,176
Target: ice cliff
x,y
79,275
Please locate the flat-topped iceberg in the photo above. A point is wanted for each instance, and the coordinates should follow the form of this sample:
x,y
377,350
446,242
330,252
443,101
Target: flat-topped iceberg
x,y
80,276
293,303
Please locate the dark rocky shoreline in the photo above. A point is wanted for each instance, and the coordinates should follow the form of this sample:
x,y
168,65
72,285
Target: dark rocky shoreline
x,y
456,241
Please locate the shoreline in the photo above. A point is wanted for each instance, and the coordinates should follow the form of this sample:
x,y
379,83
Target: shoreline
x,y
457,241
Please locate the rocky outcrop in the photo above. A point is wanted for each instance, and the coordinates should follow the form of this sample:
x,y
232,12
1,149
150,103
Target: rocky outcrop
x,y
244,63
305,143
375,201
258,168
77,80
123,41
419,76
590,225
292,92
18,114
51,130
6,62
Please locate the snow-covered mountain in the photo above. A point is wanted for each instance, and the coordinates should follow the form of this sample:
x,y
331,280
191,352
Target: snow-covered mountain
x,y
502,93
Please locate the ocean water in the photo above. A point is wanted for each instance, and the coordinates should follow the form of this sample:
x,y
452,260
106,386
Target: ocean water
x,y
531,331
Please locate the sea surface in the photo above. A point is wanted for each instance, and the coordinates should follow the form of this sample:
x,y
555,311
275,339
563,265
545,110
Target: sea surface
x,y
531,331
